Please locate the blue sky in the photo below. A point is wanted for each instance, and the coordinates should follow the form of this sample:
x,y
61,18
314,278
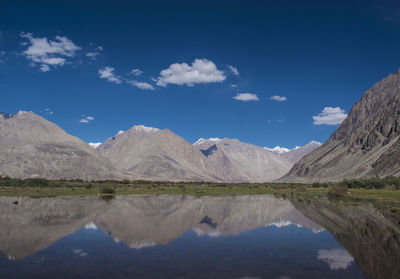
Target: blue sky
x,y
203,68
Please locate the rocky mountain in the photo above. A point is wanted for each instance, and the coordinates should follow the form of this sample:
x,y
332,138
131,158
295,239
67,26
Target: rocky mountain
x,y
150,153
236,161
367,143
31,146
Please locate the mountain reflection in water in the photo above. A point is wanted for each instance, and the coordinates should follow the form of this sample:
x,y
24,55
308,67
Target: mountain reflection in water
x,y
169,236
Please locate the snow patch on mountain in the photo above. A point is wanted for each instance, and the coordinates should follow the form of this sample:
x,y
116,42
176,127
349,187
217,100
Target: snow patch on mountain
x,y
95,144
278,149
145,129
203,140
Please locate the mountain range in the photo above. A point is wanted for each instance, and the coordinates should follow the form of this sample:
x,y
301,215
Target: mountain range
x,y
367,144
31,146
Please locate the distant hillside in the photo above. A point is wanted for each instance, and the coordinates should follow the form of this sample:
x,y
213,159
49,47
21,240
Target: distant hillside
x,y
236,161
31,146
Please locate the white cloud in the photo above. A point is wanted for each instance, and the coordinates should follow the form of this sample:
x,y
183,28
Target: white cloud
x,y
47,52
336,258
92,56
141,84
233,85
136,72
246,97
200,71
86,119
278,98
49,111
44,68
330,116
108,73
234,70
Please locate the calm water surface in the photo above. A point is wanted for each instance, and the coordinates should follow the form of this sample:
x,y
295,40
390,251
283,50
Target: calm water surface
x,y
194,237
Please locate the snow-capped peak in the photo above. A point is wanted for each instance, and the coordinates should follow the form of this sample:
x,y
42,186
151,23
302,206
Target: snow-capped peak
x,y
278,149
21,112
95,144
314,142
202,140
120,132
145,129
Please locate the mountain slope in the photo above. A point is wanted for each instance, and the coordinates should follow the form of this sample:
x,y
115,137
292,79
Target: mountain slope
x,y
155,154
31,146
235,161
367,143
296,154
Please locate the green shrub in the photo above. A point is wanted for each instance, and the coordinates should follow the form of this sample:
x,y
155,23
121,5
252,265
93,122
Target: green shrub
x,y
36,182
320,185
339,190
107,190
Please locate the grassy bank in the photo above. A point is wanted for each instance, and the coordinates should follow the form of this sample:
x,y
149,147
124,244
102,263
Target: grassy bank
x,y
375,189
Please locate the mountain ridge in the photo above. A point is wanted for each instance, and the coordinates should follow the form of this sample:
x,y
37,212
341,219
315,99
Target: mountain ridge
x,y
367,143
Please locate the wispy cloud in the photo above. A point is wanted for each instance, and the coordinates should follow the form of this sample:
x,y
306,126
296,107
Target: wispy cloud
x,y
330,116
86,119
48,53
92,55
108,73
136,72
141,84
246,97
234,70
278,98
44,68
49,111
200,71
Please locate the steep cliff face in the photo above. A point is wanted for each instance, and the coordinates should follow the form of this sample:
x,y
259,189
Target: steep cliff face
x,y
31,146
367,144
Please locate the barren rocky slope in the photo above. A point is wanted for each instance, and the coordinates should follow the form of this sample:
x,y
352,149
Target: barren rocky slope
x,y
150,153
236,161
297,154
367,143
31,146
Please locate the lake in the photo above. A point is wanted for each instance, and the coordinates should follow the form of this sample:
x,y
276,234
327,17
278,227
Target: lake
x,y
170,236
